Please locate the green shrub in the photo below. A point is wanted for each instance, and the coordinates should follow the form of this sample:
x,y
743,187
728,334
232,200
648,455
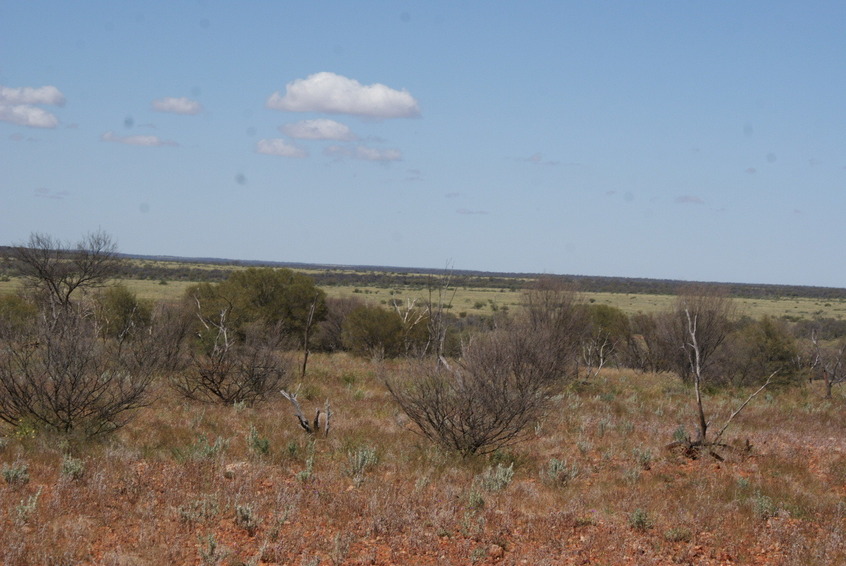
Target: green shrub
x,y
640,520
72,468
559,472
257,444
15,474
497,478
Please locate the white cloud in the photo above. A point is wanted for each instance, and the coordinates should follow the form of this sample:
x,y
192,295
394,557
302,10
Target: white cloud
x,y
364,153
28,95
148,141
279,147
17,106
320,129
177,105
25,115
335,94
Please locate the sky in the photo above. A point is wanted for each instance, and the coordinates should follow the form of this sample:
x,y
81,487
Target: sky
x,y
699,141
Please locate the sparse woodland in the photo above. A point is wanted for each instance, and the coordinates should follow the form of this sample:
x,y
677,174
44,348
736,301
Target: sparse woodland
x,y
256,421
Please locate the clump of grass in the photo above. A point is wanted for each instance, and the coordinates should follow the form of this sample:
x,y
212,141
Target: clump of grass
x,y
677,534
643,457
208,549
202,449
475,500
246,518
257,444
496,478
16,474
199,510
640,520
72,468
308,472
359,461
559,472
763,506
27,507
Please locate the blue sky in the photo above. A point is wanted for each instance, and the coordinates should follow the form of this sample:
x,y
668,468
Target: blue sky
x,y
701,141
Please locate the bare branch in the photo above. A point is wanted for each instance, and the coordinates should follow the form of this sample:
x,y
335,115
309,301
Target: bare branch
x,y
298,411
734,414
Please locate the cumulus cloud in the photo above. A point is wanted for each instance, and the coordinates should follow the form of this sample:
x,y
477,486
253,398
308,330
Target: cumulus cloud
x,y
279,147
364,153
31,116
17,106
336,94
148,141
177,105
28,95
320,129
689,199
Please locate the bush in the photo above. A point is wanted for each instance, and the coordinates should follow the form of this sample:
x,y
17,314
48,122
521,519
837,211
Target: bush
x,y
500,386
58,373
227,370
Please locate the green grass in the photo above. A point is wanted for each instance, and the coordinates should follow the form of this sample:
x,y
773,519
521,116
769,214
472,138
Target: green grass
x,y
485,301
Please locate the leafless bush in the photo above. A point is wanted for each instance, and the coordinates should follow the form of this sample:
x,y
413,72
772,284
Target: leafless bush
x,y
58,373
486,400
555,319
232,368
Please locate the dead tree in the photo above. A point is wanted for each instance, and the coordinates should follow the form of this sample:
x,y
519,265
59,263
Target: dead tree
x,y
830,361
695,355
436,308
312,427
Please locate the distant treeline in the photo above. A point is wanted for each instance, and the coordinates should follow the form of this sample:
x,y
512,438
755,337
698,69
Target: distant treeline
x,y
169,268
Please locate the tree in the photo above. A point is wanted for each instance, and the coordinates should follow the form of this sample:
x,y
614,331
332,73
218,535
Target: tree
x,y
441,294
266,296
830,362
608,328
374,332
329,335
557,322
758,348
273,296
57,270
705,315
120,313
711,312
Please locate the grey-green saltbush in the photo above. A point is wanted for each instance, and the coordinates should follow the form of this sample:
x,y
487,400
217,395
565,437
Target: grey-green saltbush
x,y
16,474
559,472
497,478
72,468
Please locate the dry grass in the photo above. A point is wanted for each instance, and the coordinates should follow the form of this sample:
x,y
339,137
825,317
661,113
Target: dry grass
x,y
186,484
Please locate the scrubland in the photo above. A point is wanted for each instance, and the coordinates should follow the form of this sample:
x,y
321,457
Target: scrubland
x,y
593,482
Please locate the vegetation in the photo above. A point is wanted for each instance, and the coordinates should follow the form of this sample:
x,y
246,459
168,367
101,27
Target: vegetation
x,y
556,427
